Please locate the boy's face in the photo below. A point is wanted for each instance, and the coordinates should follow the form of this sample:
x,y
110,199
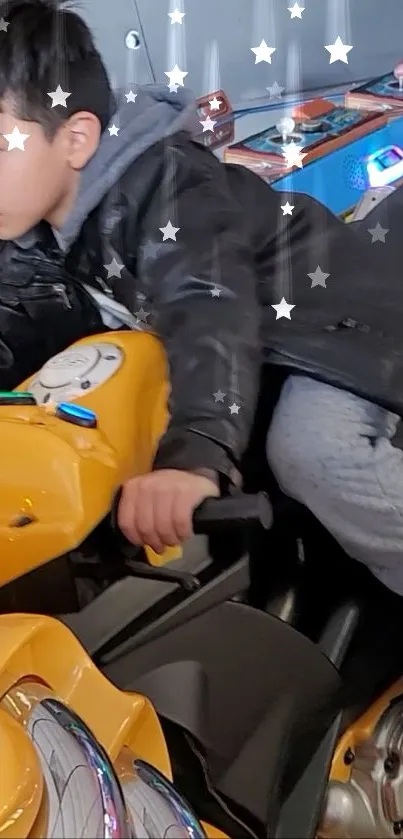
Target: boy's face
x,y
38,177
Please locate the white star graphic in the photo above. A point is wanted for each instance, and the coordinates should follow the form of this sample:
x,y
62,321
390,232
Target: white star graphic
x,y
215,292
263,52
208,124
275,91
176,77
283,309
114,269
16,140
176,16
4,24
59,97
219,396
318,277
296,11
378,233
169,232
113,130
131,97
215,104
293,155
234,409
287,209
338,51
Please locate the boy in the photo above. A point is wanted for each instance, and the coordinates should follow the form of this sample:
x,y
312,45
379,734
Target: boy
x,y
138,219
139,214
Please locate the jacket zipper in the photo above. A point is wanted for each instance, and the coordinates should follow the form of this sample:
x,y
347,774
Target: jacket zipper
x,y
61,291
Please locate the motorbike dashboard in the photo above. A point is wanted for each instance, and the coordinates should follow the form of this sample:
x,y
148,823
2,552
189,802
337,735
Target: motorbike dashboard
x,y
70,436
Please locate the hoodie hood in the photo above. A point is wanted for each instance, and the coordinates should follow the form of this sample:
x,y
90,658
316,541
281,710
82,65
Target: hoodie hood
x,y
134,128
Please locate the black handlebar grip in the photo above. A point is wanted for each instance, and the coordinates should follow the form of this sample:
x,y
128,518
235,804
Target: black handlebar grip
x,y
216,514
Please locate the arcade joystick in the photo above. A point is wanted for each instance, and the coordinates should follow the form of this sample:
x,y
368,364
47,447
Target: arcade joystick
x,y
398,74
285,128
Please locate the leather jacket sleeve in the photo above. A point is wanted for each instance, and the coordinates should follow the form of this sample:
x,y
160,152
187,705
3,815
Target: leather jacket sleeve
x,y
203,293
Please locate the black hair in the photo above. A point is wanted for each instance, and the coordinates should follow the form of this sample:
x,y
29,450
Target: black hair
x,y
44,44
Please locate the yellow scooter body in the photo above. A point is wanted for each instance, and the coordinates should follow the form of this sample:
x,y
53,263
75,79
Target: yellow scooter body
x,y
41,661
61,477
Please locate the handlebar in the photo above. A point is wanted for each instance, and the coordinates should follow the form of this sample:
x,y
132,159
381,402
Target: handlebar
x,y
216,514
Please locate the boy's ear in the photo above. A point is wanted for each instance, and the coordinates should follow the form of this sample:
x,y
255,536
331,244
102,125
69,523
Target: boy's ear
x,y
82,133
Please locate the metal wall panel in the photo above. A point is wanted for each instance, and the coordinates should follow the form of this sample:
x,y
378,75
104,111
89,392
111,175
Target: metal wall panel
x,y
111,21
214,42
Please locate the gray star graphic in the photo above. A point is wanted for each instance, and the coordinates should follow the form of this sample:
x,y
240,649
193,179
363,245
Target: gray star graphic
x,y
219,396
318,277
150,249
4,24
378,233
59,97
142,315
215,291
114,269
234,409
275,91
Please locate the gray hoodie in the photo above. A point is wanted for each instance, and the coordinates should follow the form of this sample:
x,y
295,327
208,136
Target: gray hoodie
x,y
134,128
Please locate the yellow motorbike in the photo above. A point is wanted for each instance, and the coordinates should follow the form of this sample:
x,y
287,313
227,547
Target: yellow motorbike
x,y
70,436
273,663
79,758
249,726
283,720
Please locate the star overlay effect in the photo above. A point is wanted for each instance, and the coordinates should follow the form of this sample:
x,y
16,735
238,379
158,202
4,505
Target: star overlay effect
x,y
296,11
318,277
169,232
283,309
16,140
378,233
176,16
59,97
263,52
275,91
292,153
176,78
287,208
338,51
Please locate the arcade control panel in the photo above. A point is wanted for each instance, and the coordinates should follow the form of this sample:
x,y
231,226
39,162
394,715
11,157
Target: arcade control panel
x,y
385,92
345,150
341,176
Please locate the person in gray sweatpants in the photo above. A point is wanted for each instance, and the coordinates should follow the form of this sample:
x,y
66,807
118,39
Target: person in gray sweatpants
x,y
334,452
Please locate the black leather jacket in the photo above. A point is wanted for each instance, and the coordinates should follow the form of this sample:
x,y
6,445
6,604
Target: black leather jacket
x,y
199,295
209,295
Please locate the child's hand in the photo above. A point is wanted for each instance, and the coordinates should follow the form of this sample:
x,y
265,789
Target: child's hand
x,y
157,509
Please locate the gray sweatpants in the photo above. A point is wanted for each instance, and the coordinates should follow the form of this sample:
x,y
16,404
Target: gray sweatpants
x,y
332,451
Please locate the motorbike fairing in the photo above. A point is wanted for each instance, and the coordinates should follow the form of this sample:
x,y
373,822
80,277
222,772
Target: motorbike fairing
x,y
246,702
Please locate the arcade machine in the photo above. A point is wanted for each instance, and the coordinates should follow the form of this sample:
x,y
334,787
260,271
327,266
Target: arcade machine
x,y
348,156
